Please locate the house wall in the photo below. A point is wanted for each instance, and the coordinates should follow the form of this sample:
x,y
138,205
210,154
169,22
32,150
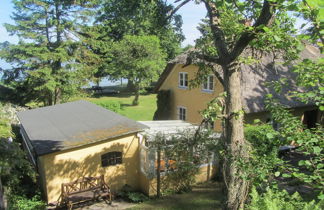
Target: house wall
x,y
194,100
67,166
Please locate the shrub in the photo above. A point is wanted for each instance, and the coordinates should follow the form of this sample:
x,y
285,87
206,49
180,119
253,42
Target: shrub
x,y
128,193
110,105
264,161
22,203
274,199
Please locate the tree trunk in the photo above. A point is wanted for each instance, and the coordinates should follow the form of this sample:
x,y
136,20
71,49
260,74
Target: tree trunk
x,y
236,149
137,92
158,171
57,99
2,206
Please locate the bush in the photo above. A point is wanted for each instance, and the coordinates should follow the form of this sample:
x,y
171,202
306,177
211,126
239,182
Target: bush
x,y
131,195
264,162
274,199
110,105
22,203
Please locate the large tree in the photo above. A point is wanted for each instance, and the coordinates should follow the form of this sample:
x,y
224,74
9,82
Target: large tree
x,y
138,58
118,18
45,62
234,29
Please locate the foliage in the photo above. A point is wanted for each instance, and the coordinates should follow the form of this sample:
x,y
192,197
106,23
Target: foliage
x,y
274,199
310,143
45,62
310,77
263,163
187,150
138,58
128,193
118,18
163,105
5,126
114,106
17,202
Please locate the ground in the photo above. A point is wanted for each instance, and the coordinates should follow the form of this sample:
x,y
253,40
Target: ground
x,y
144,111
204,196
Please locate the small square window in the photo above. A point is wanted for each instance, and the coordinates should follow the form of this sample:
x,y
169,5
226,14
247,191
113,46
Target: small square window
x,y
111,159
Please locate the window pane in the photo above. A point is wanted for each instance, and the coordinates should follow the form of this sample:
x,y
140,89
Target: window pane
x,y
181,79
111,158
211,83
186,80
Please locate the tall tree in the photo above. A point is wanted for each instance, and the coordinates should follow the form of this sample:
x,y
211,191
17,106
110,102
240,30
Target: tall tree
x,y
138,58
117,18
236,28
45,62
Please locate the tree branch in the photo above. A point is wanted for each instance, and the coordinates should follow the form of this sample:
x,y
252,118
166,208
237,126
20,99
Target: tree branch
x,y
218,34
173,11
265,18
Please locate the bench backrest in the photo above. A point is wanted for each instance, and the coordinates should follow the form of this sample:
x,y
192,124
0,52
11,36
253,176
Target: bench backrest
x,y
83,184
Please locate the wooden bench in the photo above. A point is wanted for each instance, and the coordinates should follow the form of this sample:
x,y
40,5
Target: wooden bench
x,y
85,189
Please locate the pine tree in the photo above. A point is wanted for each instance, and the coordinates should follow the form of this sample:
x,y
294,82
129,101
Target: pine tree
x,y
46,61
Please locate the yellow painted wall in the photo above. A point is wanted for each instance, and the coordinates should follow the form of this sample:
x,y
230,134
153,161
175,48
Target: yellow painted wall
x,y
194,100
66,166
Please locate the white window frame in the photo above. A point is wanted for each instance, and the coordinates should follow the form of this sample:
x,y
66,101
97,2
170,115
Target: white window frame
x,y
182,82
182,116
210,86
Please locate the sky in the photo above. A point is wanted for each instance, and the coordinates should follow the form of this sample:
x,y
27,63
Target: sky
x,y
191,16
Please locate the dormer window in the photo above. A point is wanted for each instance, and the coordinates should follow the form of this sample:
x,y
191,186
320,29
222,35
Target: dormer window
x,y
208,85
183,79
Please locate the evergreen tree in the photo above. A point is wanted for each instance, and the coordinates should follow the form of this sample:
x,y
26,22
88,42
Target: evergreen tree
x,y
46,61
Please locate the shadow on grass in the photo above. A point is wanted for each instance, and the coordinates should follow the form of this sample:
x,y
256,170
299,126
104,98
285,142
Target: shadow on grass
x,y
205,196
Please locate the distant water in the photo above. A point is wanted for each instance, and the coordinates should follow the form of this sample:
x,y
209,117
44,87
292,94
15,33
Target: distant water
x,y
107,82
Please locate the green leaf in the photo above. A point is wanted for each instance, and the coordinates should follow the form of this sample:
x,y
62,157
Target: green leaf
x,y
317,150
277,174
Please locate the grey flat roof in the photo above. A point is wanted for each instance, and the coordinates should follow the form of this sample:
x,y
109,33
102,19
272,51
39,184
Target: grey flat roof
x,y
169,128
73,124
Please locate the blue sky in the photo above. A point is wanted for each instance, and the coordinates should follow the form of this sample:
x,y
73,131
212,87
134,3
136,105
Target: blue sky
x,y
191,15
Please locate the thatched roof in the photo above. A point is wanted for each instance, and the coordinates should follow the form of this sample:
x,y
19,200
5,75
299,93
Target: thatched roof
x,y
255,77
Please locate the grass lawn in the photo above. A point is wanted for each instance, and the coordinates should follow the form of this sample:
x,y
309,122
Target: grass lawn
x,y
204,196
144,111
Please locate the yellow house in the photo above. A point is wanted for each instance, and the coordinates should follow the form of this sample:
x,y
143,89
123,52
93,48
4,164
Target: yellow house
x,y
186,103
78,139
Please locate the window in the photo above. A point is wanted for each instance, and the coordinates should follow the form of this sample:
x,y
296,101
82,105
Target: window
x,y
183,79
111,159
182,113
209,83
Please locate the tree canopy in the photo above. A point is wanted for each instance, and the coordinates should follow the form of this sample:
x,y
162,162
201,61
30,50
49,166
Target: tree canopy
x,y
45,62
138,58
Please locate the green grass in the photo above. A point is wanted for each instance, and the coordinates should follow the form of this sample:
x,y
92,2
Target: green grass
x,y
205,196
144,111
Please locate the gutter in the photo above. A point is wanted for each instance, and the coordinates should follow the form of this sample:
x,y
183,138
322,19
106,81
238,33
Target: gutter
x,y
22,133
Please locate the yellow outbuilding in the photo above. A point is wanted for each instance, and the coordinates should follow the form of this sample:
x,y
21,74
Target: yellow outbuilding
x,y
66,142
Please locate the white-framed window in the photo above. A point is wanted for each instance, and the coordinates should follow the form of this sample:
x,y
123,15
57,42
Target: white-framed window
x,y
208,85
183,79
182,113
